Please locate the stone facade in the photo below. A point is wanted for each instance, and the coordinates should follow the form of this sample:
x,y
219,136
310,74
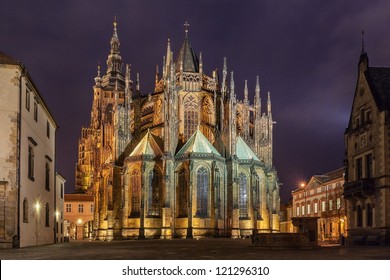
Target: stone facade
x,y
188,160
367,142
27,154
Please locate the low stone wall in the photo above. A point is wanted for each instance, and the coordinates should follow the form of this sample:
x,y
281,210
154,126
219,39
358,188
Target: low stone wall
x,y
283,240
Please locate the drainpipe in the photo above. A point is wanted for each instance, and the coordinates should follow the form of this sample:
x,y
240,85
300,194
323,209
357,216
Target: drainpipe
x,y
16,243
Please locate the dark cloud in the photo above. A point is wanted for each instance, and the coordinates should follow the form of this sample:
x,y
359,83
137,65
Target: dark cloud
x,y
305,51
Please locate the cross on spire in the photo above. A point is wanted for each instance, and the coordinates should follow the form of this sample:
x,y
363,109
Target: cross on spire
x,y
186,26
362,41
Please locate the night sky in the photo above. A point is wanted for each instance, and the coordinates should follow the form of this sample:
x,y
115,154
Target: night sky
x,y
306,53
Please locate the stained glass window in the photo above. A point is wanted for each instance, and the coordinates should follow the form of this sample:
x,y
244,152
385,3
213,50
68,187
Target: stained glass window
x,y
154,193
190,116
136,192
243,197
183,194
202,192
217,194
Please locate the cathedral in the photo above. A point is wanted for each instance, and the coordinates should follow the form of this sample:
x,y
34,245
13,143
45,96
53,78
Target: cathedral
x,y
188,160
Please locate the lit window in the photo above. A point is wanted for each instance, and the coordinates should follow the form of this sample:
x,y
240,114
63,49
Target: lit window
x,y
243,195
303,210
323,205
182,194
135,193
308,209
315,207
154,193
297,210
190,116
202,192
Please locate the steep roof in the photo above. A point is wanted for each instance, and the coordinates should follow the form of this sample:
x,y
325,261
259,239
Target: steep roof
x,y
379,80
243,151
187,58
147,146
198,143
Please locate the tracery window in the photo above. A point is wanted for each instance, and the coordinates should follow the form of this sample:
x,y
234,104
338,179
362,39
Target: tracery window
x,y
202,178
191,118
208,110
256,194
183,194
154,193
243,195
217,193
136,192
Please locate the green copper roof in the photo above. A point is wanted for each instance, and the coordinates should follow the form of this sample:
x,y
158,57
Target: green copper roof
x,y
198,143
243,151
147,146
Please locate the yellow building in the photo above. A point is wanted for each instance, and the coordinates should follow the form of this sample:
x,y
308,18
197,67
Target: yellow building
x,y
188,160
322,196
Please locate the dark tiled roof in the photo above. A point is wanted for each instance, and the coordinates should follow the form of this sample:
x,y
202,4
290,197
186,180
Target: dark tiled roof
x,y
78,197
6,59
379,81
187,58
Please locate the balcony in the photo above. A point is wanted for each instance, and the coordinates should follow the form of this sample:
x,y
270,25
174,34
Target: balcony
x,y
359,188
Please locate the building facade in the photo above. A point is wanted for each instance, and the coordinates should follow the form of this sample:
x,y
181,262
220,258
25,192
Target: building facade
x,y
367,142
322,197
79,210
27,160
59,213
188,160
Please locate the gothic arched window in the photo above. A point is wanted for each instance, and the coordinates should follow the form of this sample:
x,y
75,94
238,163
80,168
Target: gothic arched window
x,y
202,178
154,193
25,210
243,195
135,192
256,194
182,194
217,193
191,118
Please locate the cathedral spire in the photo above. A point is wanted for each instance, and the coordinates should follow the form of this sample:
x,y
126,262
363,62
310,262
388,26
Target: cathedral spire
x,y
246,92
157,77
98,79
224,77
232,95
269,104
138,84
257,97
114,60
200,63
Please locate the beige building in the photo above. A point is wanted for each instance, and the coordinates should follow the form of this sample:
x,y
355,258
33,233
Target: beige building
x,y
188,160
59,213
79,209
322,197
27,160
367,148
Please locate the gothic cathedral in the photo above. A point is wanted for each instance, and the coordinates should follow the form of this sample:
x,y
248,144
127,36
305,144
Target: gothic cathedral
x,y
189,160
